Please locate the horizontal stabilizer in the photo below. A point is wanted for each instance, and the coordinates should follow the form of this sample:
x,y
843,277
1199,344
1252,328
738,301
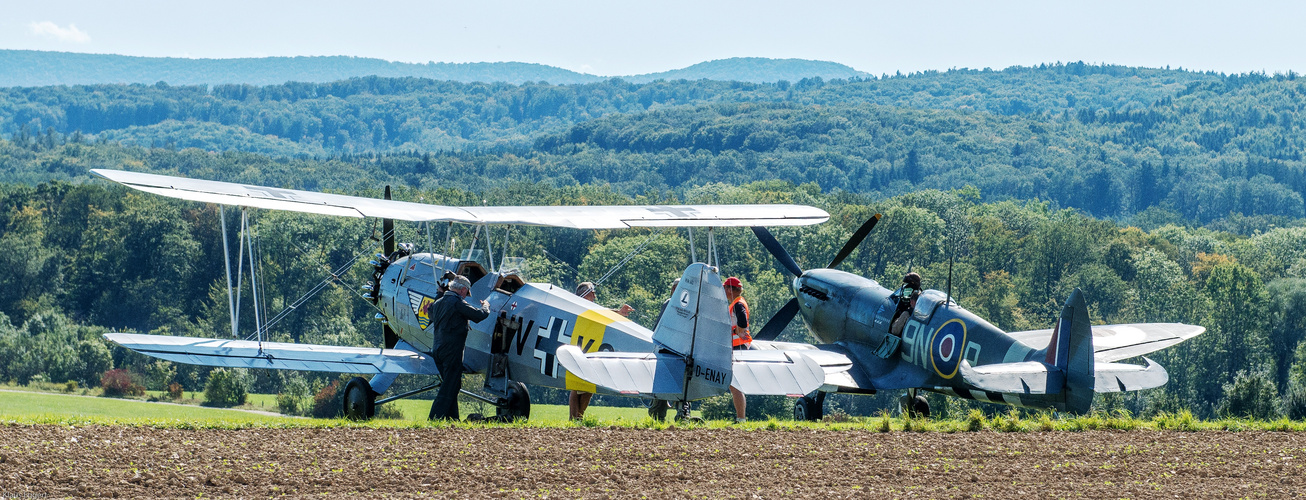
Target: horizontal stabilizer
x,y
1029,377
277,355
776,373
1117,342
660,375
1120,377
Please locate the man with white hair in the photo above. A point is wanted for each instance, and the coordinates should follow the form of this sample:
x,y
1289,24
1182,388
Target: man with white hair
x,y
449,316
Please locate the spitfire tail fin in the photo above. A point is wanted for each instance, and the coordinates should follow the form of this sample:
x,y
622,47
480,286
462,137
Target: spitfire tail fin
x,y
1071,350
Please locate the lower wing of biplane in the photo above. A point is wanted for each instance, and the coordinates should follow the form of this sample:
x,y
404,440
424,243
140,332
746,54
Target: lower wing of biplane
x,y
404,360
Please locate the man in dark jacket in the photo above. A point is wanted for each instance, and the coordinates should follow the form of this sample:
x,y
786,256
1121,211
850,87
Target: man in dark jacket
x,y
449,316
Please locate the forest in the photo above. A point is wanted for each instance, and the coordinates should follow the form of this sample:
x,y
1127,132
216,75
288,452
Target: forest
x,y
1165,195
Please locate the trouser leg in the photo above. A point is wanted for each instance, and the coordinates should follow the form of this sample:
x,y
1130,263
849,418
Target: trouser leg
x,y
446,399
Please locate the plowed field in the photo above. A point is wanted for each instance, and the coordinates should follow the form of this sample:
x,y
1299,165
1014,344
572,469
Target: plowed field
x,y
57,461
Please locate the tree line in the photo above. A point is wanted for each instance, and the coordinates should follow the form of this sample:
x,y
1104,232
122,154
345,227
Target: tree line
x,y
82,259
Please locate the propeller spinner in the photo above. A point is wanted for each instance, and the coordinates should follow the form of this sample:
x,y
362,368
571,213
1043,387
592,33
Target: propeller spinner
x,y
787,312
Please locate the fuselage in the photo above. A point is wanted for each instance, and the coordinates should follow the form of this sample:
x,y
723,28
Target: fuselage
x,y
527,322
854,313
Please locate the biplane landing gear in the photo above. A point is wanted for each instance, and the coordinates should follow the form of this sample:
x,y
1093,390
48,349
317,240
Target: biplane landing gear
x,y
517,405
808,408
682,412
915,405
360,400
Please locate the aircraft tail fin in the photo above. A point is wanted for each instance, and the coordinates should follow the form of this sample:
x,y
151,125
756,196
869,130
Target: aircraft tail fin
x,y
692,358
1071,350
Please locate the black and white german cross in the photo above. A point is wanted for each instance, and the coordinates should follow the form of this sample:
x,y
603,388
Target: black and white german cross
x,y
547,341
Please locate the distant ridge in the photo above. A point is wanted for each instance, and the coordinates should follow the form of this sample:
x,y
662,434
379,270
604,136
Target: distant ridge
x,y
30,68
755,69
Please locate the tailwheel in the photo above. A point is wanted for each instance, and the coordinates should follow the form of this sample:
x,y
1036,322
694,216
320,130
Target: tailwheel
x,y
658,410
682,413
517,405
809,408
915,405
359,400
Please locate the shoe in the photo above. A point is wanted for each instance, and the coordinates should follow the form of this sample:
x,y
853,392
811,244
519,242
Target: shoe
x,y
740,420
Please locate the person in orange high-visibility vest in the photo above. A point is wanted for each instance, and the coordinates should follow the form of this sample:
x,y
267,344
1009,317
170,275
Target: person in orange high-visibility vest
x,y
740,339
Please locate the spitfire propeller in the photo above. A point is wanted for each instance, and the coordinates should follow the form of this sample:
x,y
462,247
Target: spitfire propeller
x,y
786,313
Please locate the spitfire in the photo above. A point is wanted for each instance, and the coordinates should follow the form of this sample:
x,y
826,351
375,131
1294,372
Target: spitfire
x,y
947,349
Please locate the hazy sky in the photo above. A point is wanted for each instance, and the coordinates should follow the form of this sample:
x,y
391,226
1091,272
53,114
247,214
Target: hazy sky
x,y
623,38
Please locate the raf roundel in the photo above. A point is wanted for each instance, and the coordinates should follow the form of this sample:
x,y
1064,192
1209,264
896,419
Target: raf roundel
x,y
945,348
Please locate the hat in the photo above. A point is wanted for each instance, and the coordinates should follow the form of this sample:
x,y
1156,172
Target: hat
x,y
584,289
912,279
733,282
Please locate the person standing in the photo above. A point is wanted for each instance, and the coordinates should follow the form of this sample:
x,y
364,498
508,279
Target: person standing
x,y
450,314
740,338
579,401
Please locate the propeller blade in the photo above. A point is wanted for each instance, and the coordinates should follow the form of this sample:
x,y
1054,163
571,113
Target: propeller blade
x,y
855,240
388,336
777,251
779,321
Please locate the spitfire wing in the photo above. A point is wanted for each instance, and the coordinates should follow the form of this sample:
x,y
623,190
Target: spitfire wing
x,y
277,355
1117,342
579,217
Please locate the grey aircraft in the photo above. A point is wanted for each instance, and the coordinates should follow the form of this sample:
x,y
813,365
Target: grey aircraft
x,y
947,349
537,333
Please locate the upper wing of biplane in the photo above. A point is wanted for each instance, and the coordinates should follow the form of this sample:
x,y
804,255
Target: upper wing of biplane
x,y
1117,342
579,217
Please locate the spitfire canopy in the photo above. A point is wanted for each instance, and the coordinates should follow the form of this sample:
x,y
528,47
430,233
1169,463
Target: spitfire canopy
x,y
578,217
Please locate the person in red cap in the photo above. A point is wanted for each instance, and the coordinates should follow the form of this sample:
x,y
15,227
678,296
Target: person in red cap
x,y
739,336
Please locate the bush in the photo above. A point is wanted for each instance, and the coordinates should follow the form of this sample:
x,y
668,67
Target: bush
x,y
226,388
326,403
70,386
1251,394
175,391
1294,403
294,398
119,383
717,408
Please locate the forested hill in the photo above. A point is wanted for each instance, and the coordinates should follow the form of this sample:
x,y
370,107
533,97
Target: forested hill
x,y
1110,140
29,68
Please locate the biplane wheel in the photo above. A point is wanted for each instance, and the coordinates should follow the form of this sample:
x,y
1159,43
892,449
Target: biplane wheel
x,y
658,410
360,400
808,409
517,405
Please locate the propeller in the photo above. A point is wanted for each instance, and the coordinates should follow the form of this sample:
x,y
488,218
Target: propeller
x,y
388,247
855,240
787,312
777,251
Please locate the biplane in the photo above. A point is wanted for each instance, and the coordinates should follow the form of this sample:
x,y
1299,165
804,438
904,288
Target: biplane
x,y
537,334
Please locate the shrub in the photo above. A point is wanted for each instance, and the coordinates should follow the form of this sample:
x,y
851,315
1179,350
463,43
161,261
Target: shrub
x,y
390,412
717,408
326,403
175,391
1294,403
1251,394
975,420
70,386
295,397
118,383
226,388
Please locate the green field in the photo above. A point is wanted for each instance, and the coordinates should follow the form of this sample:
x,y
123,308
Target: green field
x,y
30,407
26,405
